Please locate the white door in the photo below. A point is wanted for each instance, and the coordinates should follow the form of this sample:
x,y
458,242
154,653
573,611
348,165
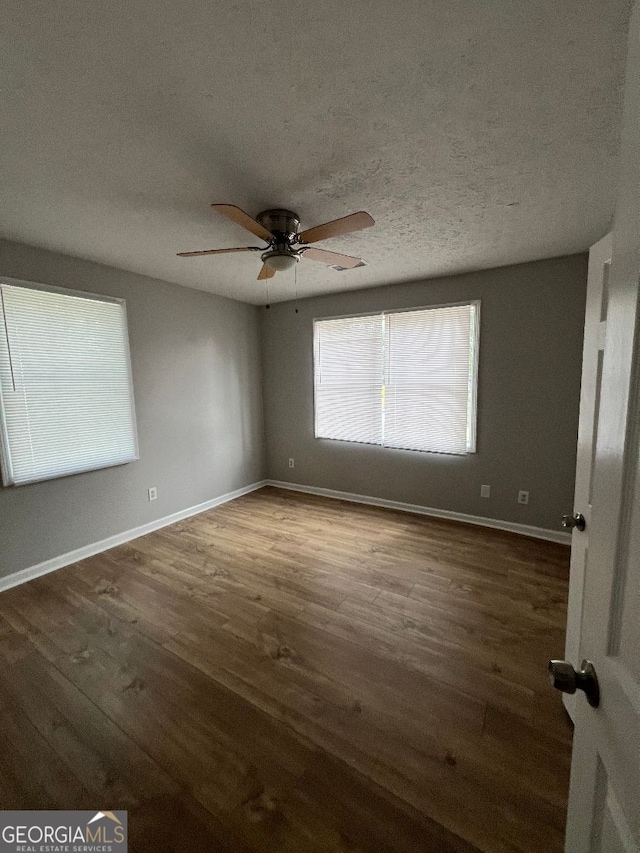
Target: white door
x,y
592,357
604,801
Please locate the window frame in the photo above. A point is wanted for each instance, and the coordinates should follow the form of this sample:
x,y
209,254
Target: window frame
x,y
472,433
7,478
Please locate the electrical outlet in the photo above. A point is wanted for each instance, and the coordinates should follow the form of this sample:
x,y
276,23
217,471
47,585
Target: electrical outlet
x,y
153,493
485,491
292,463
523,497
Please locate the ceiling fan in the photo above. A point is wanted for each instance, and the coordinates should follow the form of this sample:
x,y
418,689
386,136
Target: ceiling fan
x,y
285,245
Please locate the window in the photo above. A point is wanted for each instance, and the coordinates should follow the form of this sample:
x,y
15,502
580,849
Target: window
x,y
403,379
66,398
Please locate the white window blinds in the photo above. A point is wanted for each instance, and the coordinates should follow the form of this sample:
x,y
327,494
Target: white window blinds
x,y
403,379
349,368
66,398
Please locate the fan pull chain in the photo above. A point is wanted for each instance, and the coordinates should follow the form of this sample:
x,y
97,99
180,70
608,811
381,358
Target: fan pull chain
x,y
295,279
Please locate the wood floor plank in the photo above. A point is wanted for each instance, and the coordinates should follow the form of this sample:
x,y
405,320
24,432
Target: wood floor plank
x,y
290,673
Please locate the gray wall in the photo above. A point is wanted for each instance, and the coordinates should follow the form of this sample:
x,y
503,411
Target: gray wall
x,y
197,384
532,318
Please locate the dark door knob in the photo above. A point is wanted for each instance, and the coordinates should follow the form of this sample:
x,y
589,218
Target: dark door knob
x,y
564,677
576,520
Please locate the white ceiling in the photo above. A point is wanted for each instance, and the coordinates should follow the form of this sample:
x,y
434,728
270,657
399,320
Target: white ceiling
x,y
477,134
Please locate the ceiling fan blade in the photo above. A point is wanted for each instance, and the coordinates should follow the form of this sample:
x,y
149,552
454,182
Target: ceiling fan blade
x,y
331,258
241,218
215,252
266,272
345,225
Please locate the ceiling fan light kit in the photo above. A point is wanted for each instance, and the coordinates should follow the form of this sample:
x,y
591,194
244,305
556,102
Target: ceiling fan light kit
x,y
278,227
280,260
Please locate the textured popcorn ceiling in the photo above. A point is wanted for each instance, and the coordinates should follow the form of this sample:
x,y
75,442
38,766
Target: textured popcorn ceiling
x,y
477,133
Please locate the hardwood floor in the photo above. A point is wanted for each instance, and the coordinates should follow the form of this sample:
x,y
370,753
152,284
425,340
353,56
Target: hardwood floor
x,y
290,673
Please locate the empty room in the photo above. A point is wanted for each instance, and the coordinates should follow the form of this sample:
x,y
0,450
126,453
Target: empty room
x,y
319,444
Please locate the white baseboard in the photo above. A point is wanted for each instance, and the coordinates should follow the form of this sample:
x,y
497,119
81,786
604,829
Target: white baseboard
x,y
70,557
496,524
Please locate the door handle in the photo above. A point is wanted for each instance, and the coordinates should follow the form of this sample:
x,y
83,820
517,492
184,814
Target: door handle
x,y
564,677
576,520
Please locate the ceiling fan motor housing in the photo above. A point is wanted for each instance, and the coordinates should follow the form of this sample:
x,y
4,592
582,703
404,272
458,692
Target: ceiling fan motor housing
x,y
282,223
